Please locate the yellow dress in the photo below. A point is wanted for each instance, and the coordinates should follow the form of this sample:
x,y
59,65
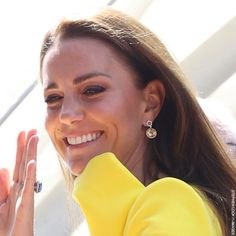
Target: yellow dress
x,y
116,203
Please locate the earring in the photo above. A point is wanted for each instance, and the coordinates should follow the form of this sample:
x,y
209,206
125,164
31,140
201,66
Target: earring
x,y
150,132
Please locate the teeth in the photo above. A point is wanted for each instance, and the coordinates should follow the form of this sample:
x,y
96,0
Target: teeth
x,y
78,140
83,139
89,137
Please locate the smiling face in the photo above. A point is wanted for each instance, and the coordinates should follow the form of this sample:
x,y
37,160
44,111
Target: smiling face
x,y
93,104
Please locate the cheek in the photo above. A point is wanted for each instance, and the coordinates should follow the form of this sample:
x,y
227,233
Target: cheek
x,y
50,122
123,113
130,109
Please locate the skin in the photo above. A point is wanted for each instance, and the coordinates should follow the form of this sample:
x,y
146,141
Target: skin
x,y
89,88
17,196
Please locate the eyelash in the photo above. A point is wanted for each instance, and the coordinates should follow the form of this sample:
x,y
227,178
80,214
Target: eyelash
x,y
52,98
89,92
93,90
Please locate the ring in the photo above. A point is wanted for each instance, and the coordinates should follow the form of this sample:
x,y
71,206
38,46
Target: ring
x,y
38,187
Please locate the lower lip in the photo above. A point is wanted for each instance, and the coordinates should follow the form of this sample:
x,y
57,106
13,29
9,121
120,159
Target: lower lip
x,y
82,145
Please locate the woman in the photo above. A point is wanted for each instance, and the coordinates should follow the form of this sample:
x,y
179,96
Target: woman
x,y
141,155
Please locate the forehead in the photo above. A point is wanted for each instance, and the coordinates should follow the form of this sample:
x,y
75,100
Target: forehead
x,y
82,52
73,57
77,48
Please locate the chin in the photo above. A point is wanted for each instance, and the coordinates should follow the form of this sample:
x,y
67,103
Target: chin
x,y
77,167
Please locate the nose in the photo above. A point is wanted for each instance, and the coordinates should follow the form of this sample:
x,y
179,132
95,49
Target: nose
x,y
71,112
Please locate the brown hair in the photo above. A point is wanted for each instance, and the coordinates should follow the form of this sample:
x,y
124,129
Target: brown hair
x,y
187,147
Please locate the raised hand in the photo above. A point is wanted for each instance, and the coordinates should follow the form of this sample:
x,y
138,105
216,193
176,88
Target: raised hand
x,y
17,196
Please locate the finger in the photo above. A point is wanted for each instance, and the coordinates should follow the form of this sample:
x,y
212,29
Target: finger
x,y
4,185
32,148
19,154
27,198
31,154
25,213
24,158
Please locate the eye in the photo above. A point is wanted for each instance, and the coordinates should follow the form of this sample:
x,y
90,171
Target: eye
x,y
231,144
93,90
52,99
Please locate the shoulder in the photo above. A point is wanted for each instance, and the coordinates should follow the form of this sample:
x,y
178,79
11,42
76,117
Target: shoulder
x,y
170,206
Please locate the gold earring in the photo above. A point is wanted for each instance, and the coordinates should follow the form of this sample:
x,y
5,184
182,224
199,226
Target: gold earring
x,y
150,132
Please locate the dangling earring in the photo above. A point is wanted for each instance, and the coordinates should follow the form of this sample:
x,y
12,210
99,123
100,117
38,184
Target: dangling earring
x,y
150,132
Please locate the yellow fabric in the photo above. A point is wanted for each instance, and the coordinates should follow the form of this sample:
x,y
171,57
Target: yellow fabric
x,y
115,203
105,192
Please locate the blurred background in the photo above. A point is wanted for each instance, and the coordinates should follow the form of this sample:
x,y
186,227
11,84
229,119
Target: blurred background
x,y
200,34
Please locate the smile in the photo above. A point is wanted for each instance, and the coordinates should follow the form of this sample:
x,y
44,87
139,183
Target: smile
x,y
83,139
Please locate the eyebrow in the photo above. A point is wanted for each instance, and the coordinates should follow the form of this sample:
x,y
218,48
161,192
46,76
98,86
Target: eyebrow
x,y
79,79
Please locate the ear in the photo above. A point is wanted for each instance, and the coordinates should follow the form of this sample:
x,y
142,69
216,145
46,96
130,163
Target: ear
x,y
154,94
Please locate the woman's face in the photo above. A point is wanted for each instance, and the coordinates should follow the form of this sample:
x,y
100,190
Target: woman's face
x,y
93,105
